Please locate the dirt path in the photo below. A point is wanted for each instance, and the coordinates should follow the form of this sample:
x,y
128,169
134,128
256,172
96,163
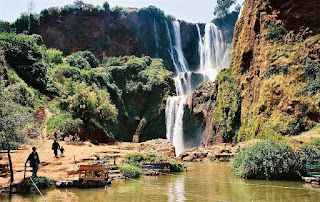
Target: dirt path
x,y
56,168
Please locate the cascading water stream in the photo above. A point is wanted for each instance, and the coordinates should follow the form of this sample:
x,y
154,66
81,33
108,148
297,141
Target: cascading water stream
x,y
175,104
156,38
213,53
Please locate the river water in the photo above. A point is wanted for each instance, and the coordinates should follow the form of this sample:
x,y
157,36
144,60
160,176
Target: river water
x,y
202,182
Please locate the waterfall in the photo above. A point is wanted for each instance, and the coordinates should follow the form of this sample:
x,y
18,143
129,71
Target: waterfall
x,y
213,54
175,104
182,62
156,38
212,51
174,117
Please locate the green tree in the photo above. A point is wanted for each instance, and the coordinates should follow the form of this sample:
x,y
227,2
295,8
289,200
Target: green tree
x,y
89,103
78,4
12,119
106,6
222,8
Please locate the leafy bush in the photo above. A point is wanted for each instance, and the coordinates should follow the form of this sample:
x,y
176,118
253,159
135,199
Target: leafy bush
x,y
151,11
81,59
312,76
268,159
20,93
133,66
41,182
272,159
64,123
306,155
53,57
115,61
133,159
176,166
130,171
79,62
275,32
13,119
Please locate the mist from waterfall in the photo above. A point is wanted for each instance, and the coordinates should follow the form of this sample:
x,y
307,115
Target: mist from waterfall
x,y
213,56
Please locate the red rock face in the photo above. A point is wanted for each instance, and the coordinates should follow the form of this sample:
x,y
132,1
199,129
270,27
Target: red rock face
x,y
116,33
298,13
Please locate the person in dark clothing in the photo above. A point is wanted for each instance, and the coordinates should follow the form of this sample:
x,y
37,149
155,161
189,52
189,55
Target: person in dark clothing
x,y
55,134
62,151
34,161
55,148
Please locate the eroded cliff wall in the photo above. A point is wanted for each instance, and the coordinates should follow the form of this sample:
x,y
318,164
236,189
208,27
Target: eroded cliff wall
x,y
274,67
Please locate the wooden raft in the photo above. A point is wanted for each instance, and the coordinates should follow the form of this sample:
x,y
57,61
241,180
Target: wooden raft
x,y
93,172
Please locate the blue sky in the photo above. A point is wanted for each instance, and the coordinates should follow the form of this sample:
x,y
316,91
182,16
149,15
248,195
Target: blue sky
x,y
188,10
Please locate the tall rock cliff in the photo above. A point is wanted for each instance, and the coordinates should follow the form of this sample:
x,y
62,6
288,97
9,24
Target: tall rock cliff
x,y
117,32
272,87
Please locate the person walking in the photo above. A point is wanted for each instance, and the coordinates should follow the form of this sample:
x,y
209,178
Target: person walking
x,y
55,148
62,151
34,161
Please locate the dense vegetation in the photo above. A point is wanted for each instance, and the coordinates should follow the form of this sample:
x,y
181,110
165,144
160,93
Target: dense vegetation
x,y
119,99
274,159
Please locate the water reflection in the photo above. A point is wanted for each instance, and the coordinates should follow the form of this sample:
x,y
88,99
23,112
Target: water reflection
x,y
202,182
177,192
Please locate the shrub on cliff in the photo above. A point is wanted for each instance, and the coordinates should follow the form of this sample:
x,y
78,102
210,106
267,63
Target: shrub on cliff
x,y
312,76
275,32
227,115
151,11
83,60
53,57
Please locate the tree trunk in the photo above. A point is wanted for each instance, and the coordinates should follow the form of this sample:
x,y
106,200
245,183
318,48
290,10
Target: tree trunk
x,y
11,170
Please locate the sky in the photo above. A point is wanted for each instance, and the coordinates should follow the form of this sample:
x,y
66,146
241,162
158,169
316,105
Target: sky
x,y
188,10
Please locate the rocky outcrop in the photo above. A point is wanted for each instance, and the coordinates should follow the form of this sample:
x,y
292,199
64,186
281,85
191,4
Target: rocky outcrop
x,y
218,152
159,146
216,107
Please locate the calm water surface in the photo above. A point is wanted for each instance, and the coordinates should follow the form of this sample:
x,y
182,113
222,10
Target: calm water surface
x,y
202,182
